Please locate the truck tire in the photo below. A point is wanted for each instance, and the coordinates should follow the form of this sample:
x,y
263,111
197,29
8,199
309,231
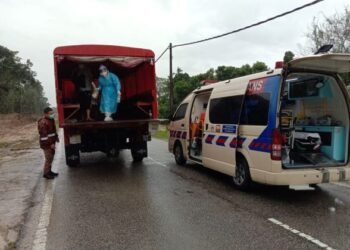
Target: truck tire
x,y
139,151
242,179
179,154
113,153
72,155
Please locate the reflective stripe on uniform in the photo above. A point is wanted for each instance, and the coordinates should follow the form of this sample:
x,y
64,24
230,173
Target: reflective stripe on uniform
x,y
44,138
51,135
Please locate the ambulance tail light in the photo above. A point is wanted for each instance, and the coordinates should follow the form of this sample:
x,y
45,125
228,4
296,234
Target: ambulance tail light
x,y
276,147
279,65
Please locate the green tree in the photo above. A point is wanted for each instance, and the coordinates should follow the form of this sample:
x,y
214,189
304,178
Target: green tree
x,y
259,67
334,30
185,84
163,97
226,72
288,56
20,91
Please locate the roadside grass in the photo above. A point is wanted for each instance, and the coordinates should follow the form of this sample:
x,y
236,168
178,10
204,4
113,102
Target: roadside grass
x,y
162,135
4,144
10,245
25,144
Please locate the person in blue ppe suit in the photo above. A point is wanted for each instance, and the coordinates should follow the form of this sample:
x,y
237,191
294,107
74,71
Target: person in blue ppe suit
x,y
110,87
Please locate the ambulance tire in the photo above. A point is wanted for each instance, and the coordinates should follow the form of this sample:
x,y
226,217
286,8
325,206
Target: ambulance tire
x,y
242,179
179,154
72,155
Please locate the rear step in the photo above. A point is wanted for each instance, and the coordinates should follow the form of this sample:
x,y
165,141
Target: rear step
x,y
301,187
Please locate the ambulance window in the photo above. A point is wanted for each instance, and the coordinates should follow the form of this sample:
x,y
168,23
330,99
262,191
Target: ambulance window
x,y
181,111
225,110
255,109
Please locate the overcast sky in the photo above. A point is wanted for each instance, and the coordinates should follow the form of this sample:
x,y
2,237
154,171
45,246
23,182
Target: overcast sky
x,y
35,28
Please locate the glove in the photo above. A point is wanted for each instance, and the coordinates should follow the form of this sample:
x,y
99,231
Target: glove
x,y
119,96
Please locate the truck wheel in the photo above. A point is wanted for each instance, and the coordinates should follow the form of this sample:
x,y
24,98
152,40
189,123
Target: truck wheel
x,y
113,153
179,155
72,155
242,179
139,151
137,157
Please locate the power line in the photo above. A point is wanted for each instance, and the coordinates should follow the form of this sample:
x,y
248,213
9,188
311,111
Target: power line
x,y
244,28
250,26
170,47
162,53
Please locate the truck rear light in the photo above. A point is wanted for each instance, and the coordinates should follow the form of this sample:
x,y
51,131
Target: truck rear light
x,y
276,147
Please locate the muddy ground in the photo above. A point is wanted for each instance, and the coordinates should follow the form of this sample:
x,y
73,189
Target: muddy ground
x,y
20,170
18,134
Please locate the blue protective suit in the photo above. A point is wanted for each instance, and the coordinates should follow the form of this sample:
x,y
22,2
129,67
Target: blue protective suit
x,y
109,87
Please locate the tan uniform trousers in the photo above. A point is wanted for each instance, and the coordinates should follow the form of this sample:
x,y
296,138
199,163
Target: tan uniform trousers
x,y
49,155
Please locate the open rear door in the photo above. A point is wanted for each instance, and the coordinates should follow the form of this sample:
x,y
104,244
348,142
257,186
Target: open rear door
x,y
334,63
220,139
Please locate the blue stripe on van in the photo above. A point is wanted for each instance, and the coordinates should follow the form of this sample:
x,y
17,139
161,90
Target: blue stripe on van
x,y
221,140
237,143
209,139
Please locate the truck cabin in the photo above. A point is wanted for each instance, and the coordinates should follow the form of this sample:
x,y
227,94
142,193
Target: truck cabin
x,y
134,68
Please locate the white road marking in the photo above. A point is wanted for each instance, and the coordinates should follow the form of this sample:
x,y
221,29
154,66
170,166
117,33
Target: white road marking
x,y
157,162
300,234
40,237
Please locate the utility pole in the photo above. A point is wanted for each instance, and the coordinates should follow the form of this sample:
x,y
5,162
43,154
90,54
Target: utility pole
x,y
171,84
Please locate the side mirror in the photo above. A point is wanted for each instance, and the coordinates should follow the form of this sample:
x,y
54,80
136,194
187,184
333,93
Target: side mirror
x,y
170,117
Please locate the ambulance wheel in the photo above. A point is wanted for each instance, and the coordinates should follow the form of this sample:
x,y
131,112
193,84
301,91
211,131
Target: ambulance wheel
x,y
242,179
179,155
72,155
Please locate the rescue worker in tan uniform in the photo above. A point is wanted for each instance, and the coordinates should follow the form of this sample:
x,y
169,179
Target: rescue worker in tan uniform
x,y
48,139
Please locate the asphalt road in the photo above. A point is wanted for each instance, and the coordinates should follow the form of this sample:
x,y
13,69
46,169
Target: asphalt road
x,y
115,204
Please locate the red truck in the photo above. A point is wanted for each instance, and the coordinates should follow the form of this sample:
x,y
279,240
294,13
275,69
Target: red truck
x,y
136,111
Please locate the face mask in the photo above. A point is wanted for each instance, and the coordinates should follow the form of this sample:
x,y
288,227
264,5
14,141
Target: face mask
x,y
104,73
52,116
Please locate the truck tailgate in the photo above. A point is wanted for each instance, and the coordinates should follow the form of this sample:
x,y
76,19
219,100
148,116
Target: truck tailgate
x,y
107,125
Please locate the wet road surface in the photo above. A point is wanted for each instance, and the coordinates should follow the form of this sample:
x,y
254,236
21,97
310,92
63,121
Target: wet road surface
x,y
116,204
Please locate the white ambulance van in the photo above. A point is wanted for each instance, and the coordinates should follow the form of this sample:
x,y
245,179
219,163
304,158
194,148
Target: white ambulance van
x,y
287,126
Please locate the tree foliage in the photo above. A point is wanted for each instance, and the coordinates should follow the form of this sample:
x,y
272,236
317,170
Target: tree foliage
x,y
334,30
20,91
185,84
288,56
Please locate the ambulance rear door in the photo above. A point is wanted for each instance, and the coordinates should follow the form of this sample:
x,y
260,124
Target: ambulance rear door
x,y
332,63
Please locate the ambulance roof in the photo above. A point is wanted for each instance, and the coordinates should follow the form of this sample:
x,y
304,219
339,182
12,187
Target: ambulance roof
x,y
238,83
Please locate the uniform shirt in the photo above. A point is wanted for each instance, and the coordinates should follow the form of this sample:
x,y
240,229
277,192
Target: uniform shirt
x,y
47,132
